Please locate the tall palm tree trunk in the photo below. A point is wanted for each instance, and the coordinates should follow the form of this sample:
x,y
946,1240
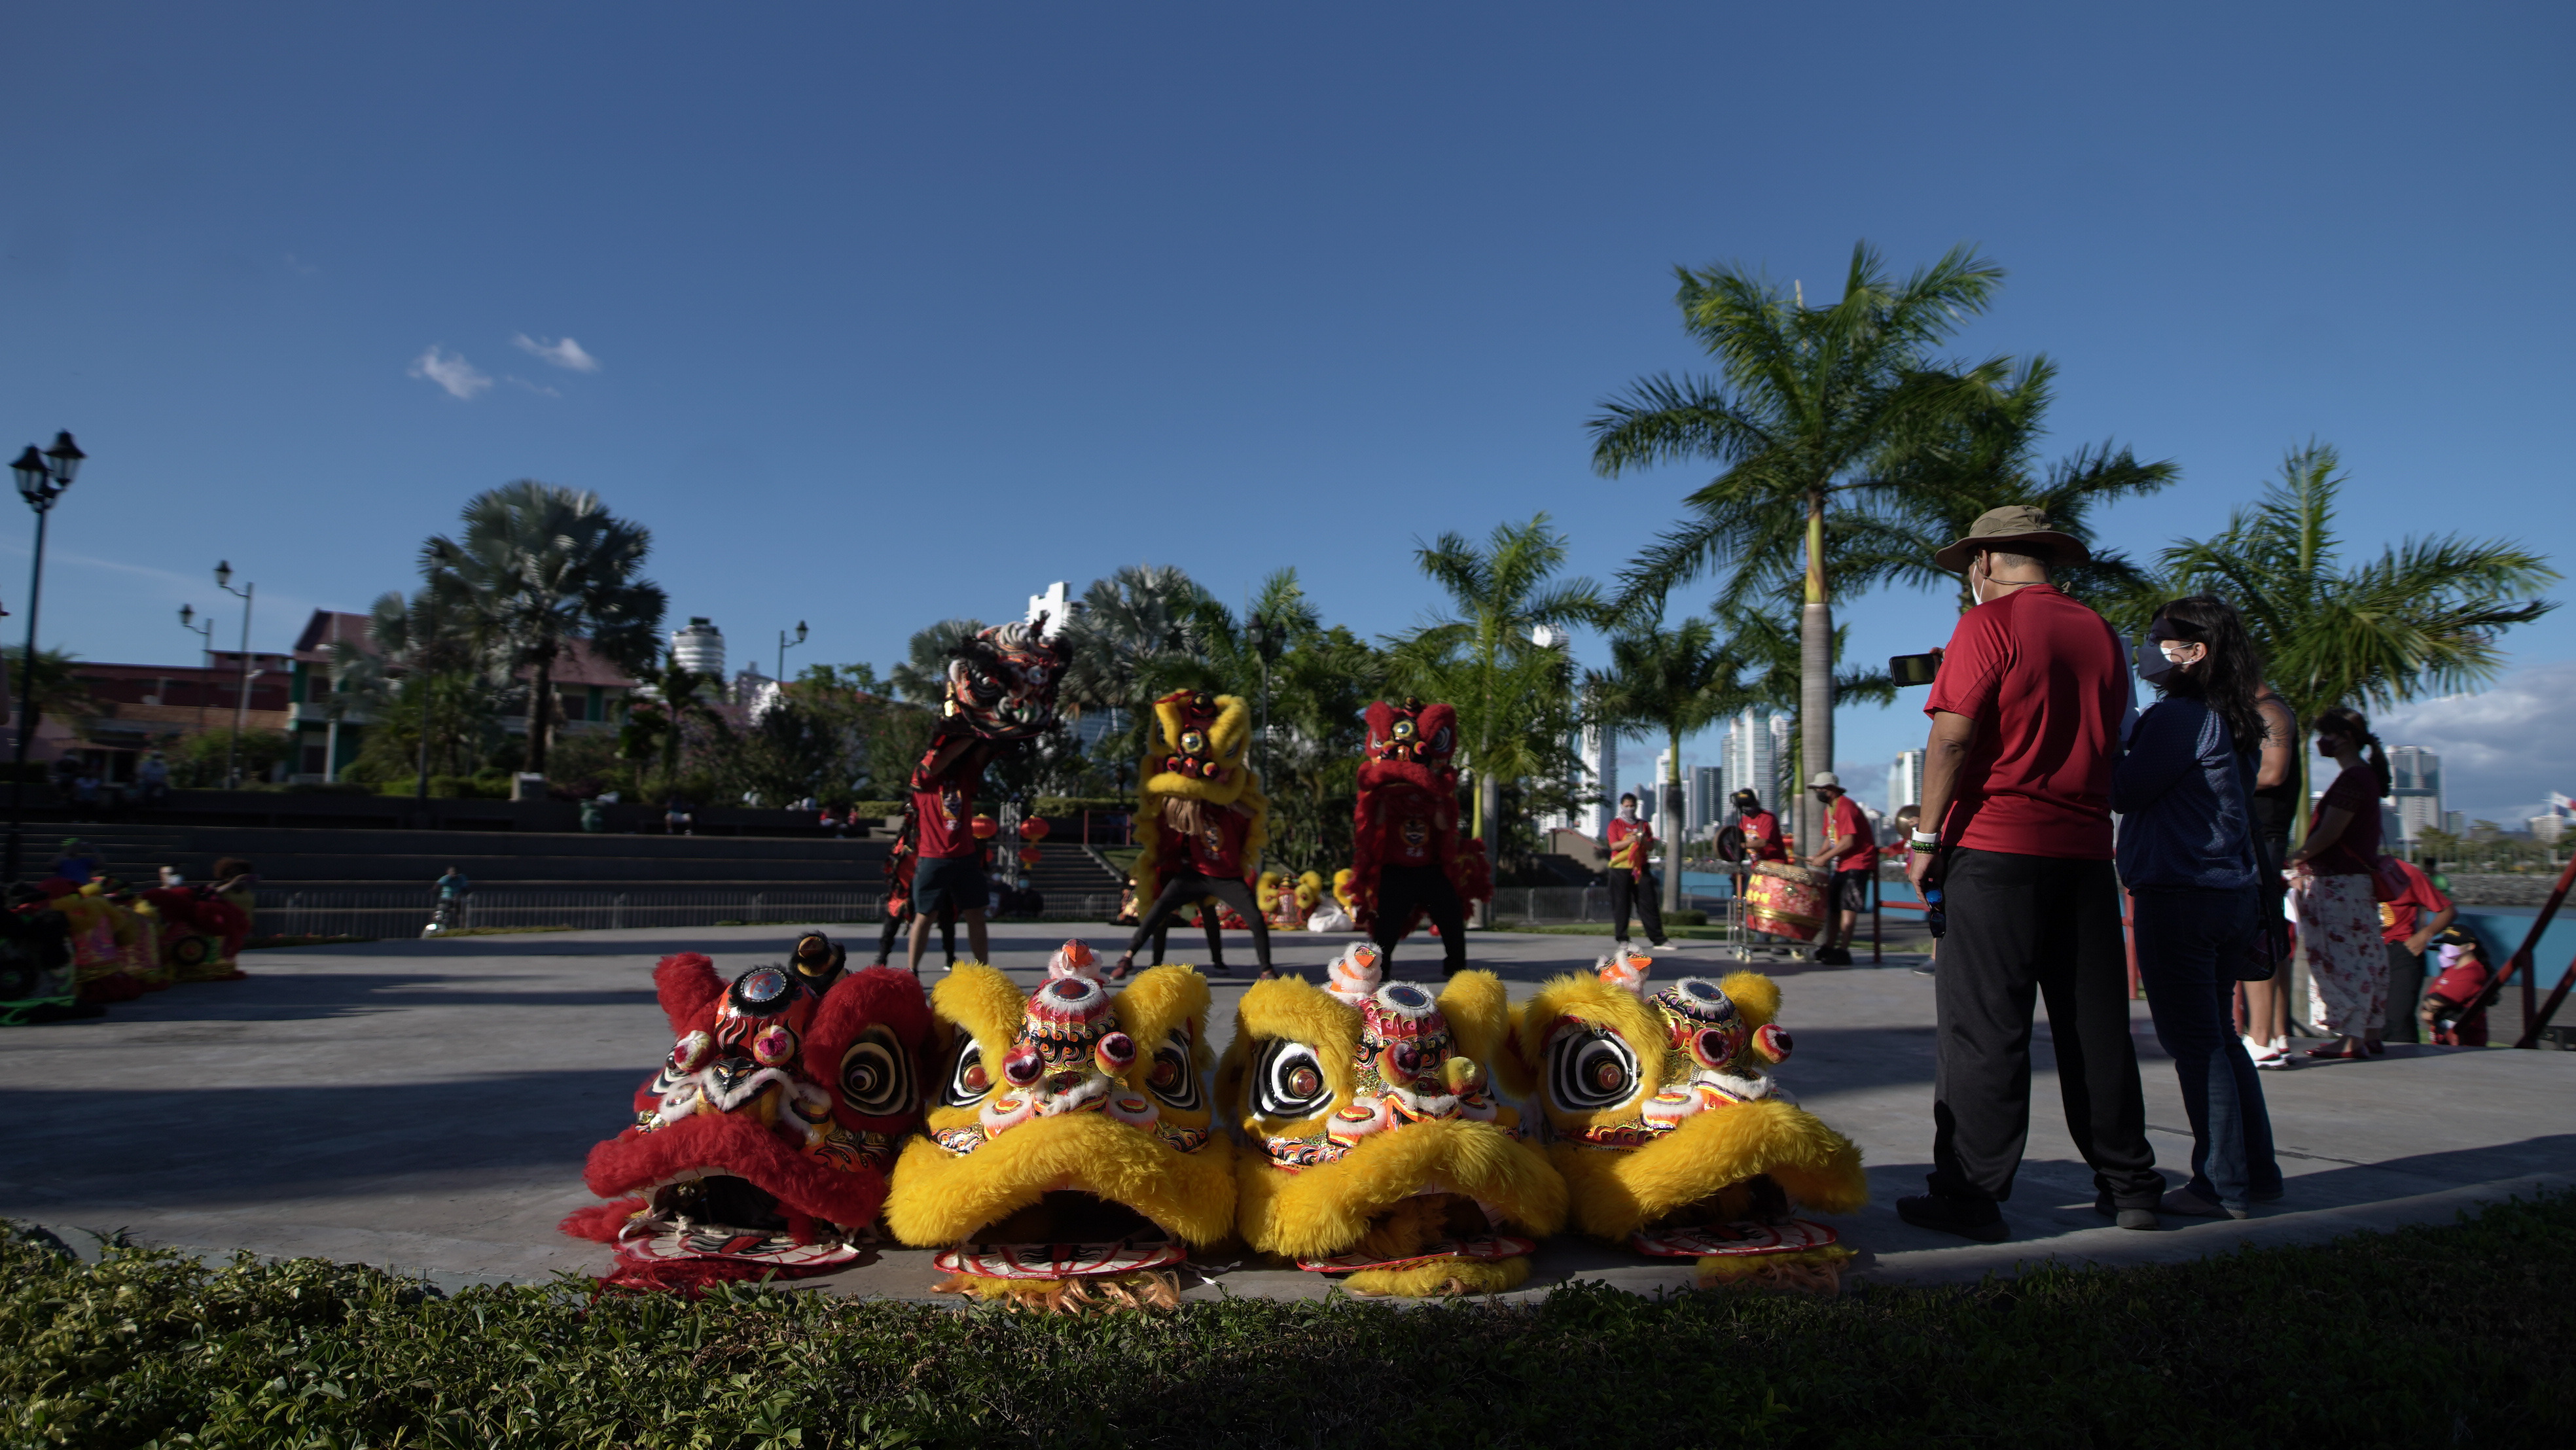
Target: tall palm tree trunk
x,y
541,710
1815,675
1673,827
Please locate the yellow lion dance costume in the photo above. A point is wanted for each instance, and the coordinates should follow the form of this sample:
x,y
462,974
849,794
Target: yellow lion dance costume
x,y
1070,1156
1669,1130
1376,1146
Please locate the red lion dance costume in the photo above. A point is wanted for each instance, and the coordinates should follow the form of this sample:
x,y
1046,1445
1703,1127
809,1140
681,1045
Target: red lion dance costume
x,y
1408,859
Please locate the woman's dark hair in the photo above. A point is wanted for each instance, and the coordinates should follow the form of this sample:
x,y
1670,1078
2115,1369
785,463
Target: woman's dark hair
x,y
2354,726
2231,678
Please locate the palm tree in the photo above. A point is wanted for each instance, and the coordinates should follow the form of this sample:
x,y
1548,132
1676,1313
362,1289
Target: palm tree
x,y
1133,634
539,567
2420,619
1811,407
922,677
1513,694
1679,680
411,644
681,695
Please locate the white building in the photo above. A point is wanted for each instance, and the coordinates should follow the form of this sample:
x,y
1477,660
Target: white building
x,y
1757,755
2415,790
699,647
2555,822
1600,752
1905,781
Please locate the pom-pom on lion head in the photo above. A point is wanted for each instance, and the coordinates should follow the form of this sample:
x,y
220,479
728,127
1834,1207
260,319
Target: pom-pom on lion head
x,y
1070,1153
764,1138
1377,1148
1669,1129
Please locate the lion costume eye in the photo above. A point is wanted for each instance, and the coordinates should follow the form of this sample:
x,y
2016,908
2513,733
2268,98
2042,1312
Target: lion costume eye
x,y
968,1079
1288,1081
1588,1070
876,1076
1173,1077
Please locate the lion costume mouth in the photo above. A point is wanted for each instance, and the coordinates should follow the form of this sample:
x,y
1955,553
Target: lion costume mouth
x,y
1069,1138
1672,1135
1384,1154
764,1139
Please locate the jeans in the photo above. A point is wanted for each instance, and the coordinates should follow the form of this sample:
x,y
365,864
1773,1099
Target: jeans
x,y
2183,935
2027,929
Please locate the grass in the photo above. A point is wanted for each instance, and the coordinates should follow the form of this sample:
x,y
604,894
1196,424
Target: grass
x,y
2454,1335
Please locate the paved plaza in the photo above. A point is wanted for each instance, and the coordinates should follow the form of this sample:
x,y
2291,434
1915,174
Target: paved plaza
x,y
426,1106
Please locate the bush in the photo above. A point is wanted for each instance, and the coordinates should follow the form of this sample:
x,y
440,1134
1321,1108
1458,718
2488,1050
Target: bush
x,y
1068,805
1681,917
197,761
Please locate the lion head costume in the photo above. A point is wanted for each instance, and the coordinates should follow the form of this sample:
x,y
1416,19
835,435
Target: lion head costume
x,y
1407,807
762,1142
1002,681
1672,1136
1195,750
1376,1147
1071,1154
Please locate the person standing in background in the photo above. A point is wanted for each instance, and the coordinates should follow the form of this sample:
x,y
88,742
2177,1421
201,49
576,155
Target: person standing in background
x,y
2026,722
2184,792
1626,840
2332,892
2408,925
1850,855
1761,829
2276,792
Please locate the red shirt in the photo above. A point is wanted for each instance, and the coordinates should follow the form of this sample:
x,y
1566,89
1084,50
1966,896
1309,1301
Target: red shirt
x,y
2048,685
2357,791
945,819
1844,818
2399,919
1632,837
1217,851
1762,837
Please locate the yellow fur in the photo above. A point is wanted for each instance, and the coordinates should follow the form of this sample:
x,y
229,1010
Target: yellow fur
x,y
1479,1013
1589,999
1158,1001
1229,739
1292,1008
1449,1276
940,1198
1327,1208
1616,1193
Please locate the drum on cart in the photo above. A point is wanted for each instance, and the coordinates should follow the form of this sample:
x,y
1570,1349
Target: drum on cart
x,y
1785,900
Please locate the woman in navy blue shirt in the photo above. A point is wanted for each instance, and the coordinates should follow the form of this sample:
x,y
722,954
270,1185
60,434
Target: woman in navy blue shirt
x,y
2184,793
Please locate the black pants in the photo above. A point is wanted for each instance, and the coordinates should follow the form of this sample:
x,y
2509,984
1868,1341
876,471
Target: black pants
x,y
1215,939
1188,886
2405,992
1635,890
895,924
1401,890
2025,927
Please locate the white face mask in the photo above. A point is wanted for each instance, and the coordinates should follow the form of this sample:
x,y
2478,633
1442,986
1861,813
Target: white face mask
x,y
1627,810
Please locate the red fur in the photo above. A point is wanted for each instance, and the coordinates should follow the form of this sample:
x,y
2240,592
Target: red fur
x,y
601,1221
1390,791
878,996
744,1146
689,989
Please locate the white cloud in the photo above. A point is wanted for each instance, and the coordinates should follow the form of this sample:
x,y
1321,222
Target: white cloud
x,y
450,371
2498,746
566,354
540,389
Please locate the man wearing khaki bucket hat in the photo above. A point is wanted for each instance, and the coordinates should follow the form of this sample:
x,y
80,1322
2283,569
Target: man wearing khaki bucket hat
x,y
2027,712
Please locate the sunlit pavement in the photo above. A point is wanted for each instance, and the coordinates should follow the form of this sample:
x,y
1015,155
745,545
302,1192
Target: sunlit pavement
x,y
426,1106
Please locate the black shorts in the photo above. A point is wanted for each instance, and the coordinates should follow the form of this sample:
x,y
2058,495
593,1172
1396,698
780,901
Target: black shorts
x,y
1851,890
956,882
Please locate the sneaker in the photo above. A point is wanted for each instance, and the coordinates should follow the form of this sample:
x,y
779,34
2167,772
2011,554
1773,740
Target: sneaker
x,y
1966,1217
1668,946
2138,1218
2191,1205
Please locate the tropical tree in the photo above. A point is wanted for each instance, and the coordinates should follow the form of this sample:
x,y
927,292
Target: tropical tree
x,y
1137,636
922,677
417,678
1812,408
676,696
1678,680
2423,618
1511,687
537,567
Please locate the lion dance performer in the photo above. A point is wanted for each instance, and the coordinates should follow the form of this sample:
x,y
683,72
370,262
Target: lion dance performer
x,y
1408,861
1001,694
1203,819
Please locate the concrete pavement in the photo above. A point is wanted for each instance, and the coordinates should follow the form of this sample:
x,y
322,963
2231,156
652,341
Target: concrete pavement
x,y
426,1106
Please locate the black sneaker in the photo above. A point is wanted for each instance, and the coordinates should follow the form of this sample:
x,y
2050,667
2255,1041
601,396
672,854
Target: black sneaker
x,y
2137,1218
1966,1217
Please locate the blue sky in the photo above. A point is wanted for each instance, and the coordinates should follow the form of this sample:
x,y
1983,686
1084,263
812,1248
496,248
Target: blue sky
x,y
892,314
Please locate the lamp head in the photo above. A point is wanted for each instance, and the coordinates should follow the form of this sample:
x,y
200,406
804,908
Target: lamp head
x,y
67,459
35,476
800,631
187,616
224,574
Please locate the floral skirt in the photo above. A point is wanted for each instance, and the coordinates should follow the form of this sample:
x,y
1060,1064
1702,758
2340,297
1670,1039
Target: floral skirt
x,y
2347,962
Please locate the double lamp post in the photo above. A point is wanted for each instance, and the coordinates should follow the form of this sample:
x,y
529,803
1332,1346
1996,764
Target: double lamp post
x,y
42,477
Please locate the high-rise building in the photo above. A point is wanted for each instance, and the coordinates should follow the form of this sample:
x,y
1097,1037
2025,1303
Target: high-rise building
x,y
699,647
1756,753
2456,822
2416,789
1905,781
1707,793
1601,767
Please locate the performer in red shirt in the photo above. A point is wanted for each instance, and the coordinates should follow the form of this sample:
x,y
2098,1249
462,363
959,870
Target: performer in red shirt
x,y
1627,840
1203,823
948,879
1760,828
898,872
2408,925
1850,853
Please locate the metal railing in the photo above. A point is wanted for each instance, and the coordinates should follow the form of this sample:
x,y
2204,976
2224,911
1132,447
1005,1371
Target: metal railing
x,y
390,912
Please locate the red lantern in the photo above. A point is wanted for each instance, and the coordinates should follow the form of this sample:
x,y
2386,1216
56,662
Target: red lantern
x,y
1029,856
984,827
1034,829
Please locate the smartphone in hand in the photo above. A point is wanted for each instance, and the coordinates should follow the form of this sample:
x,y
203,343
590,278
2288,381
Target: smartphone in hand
x,y
1914,669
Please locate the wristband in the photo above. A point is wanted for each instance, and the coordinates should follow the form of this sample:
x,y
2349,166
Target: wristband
x,y
1926,838
1926,847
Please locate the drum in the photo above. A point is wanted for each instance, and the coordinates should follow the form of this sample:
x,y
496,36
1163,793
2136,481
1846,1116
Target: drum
x,y
1785,900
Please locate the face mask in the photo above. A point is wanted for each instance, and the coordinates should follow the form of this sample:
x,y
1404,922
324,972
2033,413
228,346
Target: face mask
x,y
2153,667
1627,813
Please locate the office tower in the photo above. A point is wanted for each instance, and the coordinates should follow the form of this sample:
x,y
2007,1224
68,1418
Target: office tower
x,y
1905,781
699,647
1601,769
2416,789
1755,754
1707,790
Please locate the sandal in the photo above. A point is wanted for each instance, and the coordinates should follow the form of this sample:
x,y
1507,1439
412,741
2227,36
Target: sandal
x,y
2351,1050
1118,972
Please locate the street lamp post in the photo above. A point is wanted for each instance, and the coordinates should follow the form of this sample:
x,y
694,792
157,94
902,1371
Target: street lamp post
x,y
241,706
42,477
205,632
784,645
